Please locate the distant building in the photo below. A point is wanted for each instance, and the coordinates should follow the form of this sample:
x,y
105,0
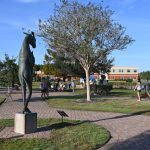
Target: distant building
x,y
123,73
40,74
120,73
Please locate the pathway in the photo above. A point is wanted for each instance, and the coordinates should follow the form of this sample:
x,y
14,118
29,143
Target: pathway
x,y
128,132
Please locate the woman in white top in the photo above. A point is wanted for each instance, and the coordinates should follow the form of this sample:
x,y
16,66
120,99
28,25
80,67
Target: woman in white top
x,y
138,88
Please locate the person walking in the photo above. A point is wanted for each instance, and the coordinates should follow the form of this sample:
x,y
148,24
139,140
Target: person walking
x,y
8,95
138,88
44,88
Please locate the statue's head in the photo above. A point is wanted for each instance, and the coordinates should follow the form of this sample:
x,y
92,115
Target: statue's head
x,y
33,40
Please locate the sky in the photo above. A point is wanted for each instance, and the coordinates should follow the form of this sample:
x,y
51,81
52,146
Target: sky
x,y
132,14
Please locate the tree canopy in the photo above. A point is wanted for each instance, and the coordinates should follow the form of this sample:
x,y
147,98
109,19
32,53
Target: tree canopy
x,y
86,33
65,65
8,71
145,75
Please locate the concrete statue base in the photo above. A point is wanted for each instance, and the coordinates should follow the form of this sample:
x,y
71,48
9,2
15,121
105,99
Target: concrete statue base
x,y
25,123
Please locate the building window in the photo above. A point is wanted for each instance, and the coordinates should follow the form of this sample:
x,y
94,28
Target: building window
x,y
135,70
120,70
128,70
113,70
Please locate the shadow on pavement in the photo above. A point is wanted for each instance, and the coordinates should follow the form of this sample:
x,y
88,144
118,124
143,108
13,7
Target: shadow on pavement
x,y
58,126
123,116
33,99
139,142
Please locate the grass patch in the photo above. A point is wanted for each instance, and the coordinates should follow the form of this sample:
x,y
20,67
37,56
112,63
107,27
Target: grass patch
x,y
85,136
26,144
64,136
2,99
6,123
36,86
40,122
122,93
122,105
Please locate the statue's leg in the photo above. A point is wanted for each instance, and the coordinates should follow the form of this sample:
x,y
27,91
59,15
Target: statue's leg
x,y
24,95
29,86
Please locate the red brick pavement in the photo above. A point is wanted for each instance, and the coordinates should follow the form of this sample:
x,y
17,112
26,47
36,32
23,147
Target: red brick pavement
x,y
129,132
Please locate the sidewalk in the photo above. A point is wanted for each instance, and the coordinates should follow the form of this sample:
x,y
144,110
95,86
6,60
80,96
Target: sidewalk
x,y
128,132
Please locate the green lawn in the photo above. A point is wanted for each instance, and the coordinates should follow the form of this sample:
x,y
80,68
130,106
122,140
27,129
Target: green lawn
x,y
118,103
64,136
1,100
36,85
123,93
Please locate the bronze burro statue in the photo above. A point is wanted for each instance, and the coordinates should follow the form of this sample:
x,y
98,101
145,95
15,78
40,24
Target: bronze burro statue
x,y
26,63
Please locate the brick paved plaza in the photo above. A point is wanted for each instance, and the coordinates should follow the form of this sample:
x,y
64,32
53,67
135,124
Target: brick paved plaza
x,y
129,132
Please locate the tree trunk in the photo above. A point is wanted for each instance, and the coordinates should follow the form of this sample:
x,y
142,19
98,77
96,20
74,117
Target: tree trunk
x,y
87,84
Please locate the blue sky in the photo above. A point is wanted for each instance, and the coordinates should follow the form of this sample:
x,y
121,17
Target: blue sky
x,y
132,14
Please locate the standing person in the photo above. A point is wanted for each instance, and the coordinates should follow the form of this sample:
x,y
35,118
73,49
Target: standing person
x,y
95,86
8,95
47,87
72,85
44,88
69,84
82,82
147,88
92,81
138,88
61,86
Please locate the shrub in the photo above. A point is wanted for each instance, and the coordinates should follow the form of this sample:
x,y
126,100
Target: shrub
x,y
126,85
103,89
129,80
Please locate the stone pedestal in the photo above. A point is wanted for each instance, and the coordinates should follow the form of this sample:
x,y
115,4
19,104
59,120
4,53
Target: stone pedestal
x,y
25,123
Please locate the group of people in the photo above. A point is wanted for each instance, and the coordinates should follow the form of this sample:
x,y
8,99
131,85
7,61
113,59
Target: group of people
x,y
139,87
60,86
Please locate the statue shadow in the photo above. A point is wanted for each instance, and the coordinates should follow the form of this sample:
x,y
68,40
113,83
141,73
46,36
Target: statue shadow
x,y
56,126
124,115
33,99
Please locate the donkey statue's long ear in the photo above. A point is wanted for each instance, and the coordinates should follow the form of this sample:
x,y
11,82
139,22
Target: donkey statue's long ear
x,y
26,33
32,34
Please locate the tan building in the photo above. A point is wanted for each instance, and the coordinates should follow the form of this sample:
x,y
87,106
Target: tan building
x,y
120,73
123,73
